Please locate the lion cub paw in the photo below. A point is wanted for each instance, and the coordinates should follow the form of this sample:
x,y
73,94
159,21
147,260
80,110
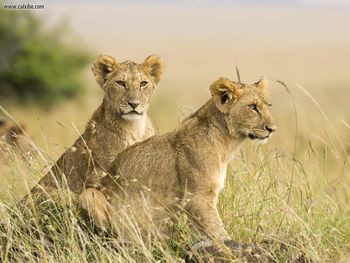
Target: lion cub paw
x,y
209,251
94,204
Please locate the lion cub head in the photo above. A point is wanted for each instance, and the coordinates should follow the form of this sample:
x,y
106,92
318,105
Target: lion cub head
x,y
128,86
246,110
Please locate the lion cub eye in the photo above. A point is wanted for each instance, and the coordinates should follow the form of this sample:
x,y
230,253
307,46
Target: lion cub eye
x,y
121,83
253,107
143,84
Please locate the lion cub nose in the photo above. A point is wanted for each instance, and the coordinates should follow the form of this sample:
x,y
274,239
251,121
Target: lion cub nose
x,y
134,104
270,128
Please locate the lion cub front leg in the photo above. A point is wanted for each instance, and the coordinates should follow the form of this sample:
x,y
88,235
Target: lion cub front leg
x,y
95,204
202,208
94,178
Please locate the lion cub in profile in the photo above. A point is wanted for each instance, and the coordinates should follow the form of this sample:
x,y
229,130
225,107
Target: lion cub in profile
x,y
185,168
12,134
12,137
119,122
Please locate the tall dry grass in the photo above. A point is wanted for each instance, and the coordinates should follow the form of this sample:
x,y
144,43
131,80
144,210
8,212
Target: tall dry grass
x,y
292,194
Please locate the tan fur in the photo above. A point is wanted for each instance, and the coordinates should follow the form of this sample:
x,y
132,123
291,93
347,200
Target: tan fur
x,y
4,127
119,122
13,135
187,167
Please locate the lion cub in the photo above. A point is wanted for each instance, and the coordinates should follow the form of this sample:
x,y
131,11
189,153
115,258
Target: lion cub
x,y
185,168
12,135
119,122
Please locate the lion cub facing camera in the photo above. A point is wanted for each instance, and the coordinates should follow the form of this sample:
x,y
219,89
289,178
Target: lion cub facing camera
x,y
185,168
119,122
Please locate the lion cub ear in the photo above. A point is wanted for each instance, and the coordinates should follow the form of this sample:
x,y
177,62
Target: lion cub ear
x,y
223,91
154,66
261,85
103,65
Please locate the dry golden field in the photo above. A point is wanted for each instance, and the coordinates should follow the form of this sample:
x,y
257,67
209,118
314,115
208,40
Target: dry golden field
x,y
294,190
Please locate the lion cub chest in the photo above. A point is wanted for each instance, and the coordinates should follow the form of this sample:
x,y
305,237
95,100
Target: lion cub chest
x,y
222,177
106,146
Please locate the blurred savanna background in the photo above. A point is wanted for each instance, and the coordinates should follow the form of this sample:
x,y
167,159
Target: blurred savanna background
x,y
294,190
